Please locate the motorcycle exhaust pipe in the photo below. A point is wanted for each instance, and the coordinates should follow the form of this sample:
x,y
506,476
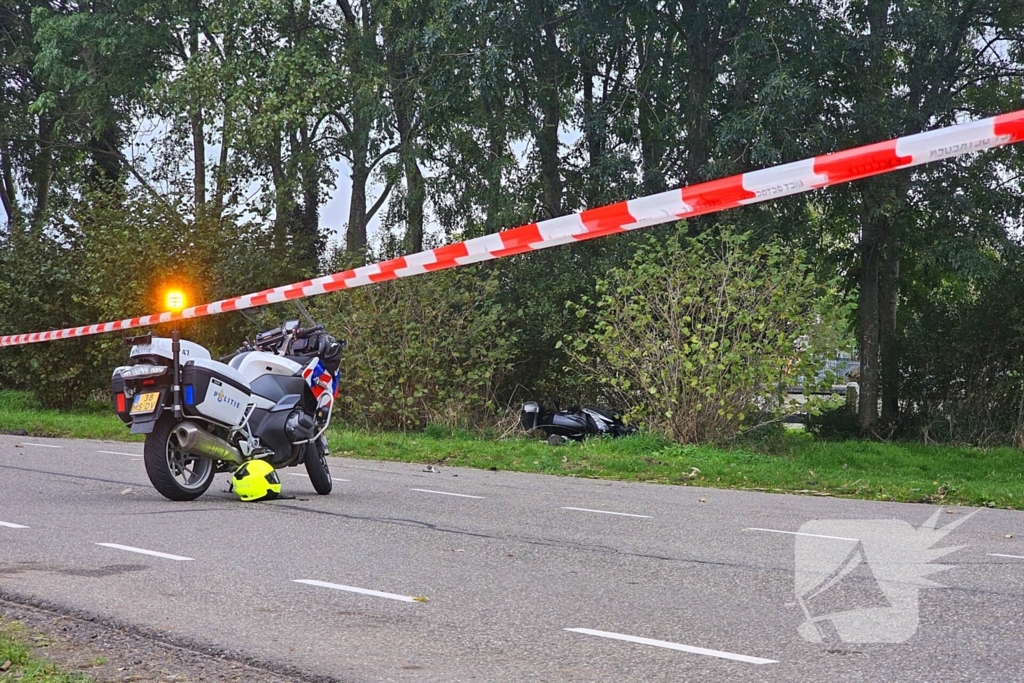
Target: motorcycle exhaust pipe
x,y
197,441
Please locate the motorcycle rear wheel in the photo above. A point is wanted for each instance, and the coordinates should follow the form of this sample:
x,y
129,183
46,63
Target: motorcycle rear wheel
x,y
175,475
317,469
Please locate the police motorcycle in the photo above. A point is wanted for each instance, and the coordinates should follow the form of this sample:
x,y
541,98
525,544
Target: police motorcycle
x,y
270,401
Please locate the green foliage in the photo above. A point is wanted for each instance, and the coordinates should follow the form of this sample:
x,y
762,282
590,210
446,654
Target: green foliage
x,y
199,141
838,423
153,247
116,262
963,353
430,350
41,289
696,335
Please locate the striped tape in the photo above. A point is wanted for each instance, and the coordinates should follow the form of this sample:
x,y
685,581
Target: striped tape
x,y
695,200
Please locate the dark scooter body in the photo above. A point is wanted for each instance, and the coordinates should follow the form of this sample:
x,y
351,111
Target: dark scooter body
x,y
572,423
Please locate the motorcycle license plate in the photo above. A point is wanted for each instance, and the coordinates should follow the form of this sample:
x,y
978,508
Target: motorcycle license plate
x,y
145,403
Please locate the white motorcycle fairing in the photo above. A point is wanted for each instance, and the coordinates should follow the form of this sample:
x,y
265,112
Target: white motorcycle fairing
x,y
161,346
255,364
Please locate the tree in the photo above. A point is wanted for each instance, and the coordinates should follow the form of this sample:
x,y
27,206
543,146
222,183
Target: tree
x,y
904,68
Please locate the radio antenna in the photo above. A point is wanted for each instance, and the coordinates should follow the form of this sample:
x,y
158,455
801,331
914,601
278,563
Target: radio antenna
x,y
305,314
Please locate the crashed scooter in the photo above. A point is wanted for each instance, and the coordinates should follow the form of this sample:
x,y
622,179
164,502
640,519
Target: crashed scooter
x,y
575,423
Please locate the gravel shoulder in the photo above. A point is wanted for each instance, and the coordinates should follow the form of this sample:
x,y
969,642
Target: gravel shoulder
x,y
81,644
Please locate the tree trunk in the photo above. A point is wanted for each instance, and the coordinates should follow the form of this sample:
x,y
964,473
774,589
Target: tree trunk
x,y
309,239
221,189
222,169
198,158
42,172
874,225
195,119
355,242
547,134
312,242
873,228
355,238
106,160
494,164
888,295
283,203
8,190
652,145
547,147
697,141
415,197
651,151
593,128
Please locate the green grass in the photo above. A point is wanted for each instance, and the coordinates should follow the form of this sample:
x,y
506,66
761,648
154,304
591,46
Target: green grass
x,y
25,668
19,413
792,462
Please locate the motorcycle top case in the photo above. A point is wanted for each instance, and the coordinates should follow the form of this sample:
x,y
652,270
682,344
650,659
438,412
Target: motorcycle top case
x,y
218,392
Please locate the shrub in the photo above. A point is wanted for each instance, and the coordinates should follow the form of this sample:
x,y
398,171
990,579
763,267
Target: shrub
x,y
431,350
697,334
110,261
837,423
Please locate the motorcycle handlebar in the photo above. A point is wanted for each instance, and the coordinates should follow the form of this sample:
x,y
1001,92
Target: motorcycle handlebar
x,y
303,333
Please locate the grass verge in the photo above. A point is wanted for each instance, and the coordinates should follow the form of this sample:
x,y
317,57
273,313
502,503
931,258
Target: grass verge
x,y
19,413
792,462
18,664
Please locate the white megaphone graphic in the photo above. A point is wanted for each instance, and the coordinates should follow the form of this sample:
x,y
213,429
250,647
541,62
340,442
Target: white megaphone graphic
x,y
895,553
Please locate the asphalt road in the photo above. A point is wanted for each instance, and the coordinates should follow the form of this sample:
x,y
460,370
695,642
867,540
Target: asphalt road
x,y
507,567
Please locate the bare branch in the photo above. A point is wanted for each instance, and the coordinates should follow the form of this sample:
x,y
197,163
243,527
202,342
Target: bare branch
x,y
380,200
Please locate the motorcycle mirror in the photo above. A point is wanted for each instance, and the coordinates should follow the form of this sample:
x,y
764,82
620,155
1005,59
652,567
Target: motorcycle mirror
x,y
140,339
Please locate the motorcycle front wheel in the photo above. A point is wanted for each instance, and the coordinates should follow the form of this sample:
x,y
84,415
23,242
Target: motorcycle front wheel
x,y
315,460
176,475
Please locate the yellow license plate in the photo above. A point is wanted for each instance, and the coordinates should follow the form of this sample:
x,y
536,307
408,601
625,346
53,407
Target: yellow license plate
x,y
145,403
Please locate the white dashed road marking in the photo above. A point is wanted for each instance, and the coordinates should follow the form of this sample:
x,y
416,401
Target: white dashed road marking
x,y
142,551
13,526
606,512
296,474
40,445
1016,557
353,589
674,646
446,493
130,455
797,533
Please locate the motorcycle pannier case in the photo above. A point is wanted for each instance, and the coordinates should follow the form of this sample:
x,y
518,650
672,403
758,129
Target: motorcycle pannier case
x,y
215,391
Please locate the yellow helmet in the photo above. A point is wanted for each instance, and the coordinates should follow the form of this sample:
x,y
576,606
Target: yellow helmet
x,y
256,480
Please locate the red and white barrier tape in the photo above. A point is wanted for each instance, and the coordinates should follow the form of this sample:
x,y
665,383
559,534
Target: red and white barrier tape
x,y
716,195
